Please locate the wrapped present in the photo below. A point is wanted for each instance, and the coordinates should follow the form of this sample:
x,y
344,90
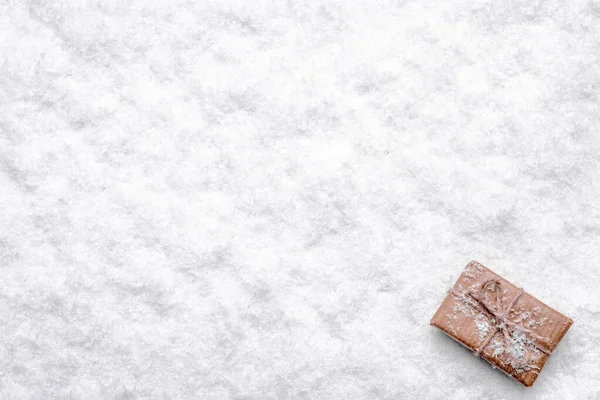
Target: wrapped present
x,y
501,323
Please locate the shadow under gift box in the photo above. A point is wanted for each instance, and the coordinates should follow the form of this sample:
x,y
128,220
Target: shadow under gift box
x,y
507,327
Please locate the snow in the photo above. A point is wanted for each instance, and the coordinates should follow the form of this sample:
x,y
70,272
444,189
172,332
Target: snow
x,y
233,199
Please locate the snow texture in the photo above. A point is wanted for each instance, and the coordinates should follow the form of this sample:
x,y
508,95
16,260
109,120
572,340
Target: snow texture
x,y
269,199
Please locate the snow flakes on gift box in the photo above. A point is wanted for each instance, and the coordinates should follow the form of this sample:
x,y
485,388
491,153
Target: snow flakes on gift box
x,y
527,318
472,271
519,352
463,305
483,327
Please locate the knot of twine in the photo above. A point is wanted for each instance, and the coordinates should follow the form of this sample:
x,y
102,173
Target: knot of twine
x,y
498,314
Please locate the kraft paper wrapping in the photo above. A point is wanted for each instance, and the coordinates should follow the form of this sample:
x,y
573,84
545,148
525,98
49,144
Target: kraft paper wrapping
x,y
517,343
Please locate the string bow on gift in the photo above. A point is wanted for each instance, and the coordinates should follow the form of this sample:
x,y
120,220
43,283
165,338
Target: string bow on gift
x,y
498,314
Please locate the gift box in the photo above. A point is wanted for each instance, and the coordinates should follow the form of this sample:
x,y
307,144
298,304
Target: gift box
x,y
501,323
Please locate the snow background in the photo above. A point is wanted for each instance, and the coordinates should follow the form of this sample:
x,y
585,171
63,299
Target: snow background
x,y
268,199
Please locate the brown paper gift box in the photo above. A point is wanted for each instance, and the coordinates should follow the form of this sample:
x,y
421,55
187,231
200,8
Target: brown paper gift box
x,y
474,313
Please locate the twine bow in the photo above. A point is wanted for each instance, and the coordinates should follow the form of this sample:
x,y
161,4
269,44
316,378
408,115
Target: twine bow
x,y
498,314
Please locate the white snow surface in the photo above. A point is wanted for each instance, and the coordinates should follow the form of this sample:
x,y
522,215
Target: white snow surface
x,y
256,199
